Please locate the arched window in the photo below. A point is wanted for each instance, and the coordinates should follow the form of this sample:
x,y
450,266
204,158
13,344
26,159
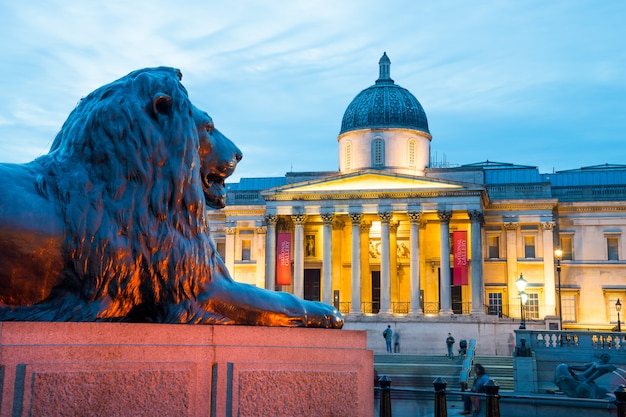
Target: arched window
x,y
411,152
348,155
378,153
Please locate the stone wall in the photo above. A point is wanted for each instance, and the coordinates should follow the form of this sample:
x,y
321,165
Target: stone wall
x,y
114,369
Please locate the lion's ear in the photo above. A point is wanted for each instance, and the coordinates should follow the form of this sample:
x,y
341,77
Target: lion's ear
x,y
161,104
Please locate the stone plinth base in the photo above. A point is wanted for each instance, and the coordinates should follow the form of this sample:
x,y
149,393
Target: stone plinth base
x,y
113,369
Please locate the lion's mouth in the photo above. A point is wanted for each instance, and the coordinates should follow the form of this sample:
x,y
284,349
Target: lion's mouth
x,y
213,183
214,190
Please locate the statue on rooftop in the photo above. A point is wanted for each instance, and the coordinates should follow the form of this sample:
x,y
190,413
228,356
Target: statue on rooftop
x,y
111,224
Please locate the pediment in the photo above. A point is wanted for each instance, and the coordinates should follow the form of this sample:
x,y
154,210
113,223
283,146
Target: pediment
x,y
368,182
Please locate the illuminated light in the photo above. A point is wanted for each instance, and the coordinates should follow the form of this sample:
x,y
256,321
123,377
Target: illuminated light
x,y
373,182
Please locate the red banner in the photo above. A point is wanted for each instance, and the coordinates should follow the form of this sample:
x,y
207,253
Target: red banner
x,y
459,242
283,259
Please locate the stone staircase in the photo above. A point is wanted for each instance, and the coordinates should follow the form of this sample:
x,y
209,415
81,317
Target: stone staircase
x,y
416,371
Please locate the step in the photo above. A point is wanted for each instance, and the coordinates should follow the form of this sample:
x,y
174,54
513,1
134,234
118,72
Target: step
x,y
414,371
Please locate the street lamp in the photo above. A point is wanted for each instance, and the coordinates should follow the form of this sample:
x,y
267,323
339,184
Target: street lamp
x,y
618,307
521,286
558,254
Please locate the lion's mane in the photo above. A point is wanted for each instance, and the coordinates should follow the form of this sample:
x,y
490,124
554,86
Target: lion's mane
x,y
125,173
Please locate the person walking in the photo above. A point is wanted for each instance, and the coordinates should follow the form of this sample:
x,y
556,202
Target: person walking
x,y
396,342
450,344
471,404
388,334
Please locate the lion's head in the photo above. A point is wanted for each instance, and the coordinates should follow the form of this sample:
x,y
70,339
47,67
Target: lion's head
x,y
137,164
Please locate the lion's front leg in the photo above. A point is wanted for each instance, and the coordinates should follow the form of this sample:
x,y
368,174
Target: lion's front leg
x,y
250,305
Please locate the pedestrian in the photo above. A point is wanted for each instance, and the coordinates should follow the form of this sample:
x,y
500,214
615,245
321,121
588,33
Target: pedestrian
x,y
396,342
450,344
388,334
471,404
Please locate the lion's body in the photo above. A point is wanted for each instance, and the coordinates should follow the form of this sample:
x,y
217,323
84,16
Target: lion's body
x,y
111,224
32,238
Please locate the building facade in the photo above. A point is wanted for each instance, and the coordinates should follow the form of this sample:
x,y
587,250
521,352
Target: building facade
x,y
391,235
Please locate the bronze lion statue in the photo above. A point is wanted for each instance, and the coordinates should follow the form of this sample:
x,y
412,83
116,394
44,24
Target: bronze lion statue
x,y
111,224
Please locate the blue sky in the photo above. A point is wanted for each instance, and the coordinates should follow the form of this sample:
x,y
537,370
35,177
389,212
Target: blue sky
x,y
539,83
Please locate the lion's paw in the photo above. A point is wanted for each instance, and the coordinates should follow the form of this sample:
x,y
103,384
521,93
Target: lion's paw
x,y
322,315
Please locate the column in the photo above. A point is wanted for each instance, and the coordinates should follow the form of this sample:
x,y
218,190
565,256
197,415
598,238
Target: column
x,y
548,269
414,260
298,255
385,275
270,252
260,253
366,280
338,242
229,247
394,289
478,285
327,262
355,304
445,297
511,264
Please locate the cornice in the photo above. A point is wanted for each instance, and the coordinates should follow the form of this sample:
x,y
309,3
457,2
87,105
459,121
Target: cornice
x,y
231,211
519,205
591,209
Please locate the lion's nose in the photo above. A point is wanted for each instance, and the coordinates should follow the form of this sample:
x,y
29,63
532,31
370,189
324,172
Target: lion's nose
x,y
238,156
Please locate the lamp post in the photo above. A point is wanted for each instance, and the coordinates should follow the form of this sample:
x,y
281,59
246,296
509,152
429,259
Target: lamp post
x,y
618,307
521,286
558,254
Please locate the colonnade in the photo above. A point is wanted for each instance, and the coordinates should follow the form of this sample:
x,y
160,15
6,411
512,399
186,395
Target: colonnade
x,y
388,245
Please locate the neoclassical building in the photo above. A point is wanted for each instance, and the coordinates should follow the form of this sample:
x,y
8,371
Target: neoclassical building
x,y
392,235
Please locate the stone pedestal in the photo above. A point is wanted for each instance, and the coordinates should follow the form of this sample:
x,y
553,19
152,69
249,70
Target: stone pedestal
x,y
525,374
114,369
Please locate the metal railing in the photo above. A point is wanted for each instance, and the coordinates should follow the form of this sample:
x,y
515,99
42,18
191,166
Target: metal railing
x,y
503,311
492,403
400,307
344,307
491,396
397,307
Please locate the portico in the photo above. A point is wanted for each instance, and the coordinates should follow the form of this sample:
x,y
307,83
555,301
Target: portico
x,y
374,243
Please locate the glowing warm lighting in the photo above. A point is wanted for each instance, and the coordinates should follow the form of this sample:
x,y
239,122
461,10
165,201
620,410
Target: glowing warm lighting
x,y
524,297
373,182
521,283
558,254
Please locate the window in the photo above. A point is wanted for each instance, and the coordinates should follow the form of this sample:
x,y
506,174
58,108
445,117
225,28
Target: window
x,y
566,247
494,246
349,155
378,153
529,246
495,304
611,300
309,247
221,249
412,151
612,249
245,249
568,308
532,306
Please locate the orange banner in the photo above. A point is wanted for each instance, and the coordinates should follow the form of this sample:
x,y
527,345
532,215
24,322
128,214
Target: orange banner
x,y
283,259
459,242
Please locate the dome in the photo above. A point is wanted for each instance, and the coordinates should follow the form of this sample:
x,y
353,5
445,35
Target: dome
x,y
384,105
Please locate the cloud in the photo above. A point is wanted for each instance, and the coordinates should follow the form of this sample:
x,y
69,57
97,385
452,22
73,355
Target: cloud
x,y
525,82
